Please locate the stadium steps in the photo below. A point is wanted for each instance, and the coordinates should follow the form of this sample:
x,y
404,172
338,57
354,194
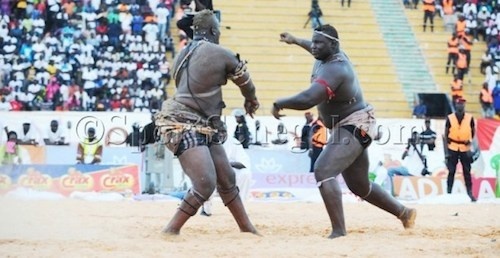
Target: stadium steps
x,y
252,27
434,48
406,55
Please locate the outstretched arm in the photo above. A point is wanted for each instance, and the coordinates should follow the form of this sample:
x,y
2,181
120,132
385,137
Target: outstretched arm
x,y
290,39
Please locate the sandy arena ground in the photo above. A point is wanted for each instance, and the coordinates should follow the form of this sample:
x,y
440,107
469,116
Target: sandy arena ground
x,y
78,228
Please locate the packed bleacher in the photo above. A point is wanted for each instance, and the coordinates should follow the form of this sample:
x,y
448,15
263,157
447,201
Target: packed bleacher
x,y
85,55
475,24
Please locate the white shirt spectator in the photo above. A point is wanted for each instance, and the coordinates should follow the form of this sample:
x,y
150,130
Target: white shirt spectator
x,y
43,77
4,106
469,8
161,14
64,90
151,31
56,136
30,135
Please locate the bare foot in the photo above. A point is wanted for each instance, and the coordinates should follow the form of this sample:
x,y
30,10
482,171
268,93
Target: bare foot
x,y
408,217
336,234
250,230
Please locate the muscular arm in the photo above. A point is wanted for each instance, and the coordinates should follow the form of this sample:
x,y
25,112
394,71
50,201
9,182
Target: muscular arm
x,y
322,88
304,100
304,43
290,39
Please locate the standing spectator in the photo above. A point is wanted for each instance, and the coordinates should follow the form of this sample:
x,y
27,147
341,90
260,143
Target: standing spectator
x,y
420,109
428,137
486,100
466,43
459,132
163,19
452,53
457,89
496,100
318,141
241,132
306,129
462,67
315,15
134,138
348,3
187,20
429,10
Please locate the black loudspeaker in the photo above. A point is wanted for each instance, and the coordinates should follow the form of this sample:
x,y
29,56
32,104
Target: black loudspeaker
x,y
438,104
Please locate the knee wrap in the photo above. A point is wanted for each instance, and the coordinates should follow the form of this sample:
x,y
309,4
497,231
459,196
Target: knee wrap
x,y
191,202
228,195
369,192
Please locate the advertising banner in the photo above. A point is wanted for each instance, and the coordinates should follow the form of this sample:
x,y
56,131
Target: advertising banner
x,y
414,188
65,179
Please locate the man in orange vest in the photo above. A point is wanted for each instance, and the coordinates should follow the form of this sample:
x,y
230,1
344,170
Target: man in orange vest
x,y
318,140
462,68
457,90
452,53
459,132
429,10
486,100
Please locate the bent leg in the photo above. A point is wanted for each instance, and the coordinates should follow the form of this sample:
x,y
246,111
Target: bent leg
x,y
356,177
339,153
198,166
228,191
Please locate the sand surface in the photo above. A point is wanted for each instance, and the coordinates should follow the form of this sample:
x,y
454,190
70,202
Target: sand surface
x,y
79,228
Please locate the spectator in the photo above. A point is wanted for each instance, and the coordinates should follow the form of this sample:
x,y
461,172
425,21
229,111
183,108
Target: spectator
x,y
241,132
428,137
452,53
186,22
4,105
134,138
429,10
318,140
10,154
55,134
459,132
28,135
306,129
420,109
457,89
496,100
486,100
89,150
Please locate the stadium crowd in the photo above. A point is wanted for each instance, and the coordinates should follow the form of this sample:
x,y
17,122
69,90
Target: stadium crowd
x,y
85,55
477,21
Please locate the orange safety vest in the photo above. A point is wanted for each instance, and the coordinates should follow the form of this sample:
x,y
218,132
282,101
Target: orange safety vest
x,y
448,7
429,5
456,88
459,132
460,28
462,61
319,136
453,45
486,96
466,42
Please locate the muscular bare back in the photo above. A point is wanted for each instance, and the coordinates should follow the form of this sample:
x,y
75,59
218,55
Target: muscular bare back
x,y
200,70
